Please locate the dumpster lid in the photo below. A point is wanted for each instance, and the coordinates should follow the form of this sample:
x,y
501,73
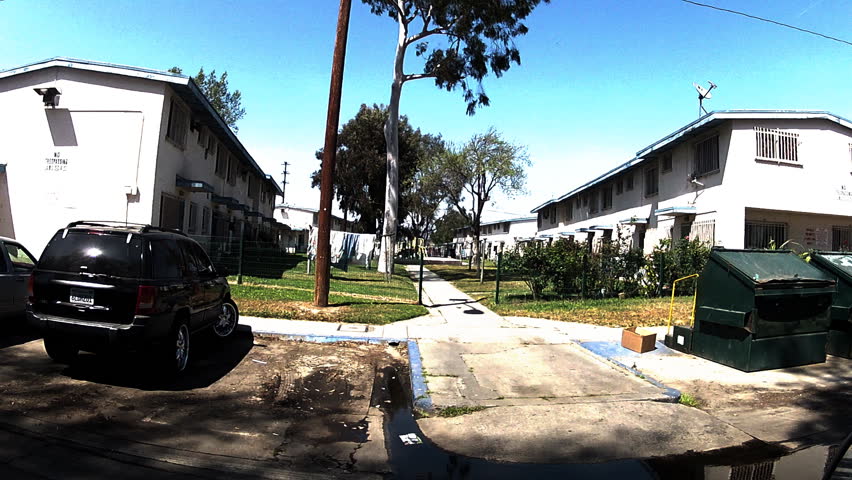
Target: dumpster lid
x,y
763,267
838,262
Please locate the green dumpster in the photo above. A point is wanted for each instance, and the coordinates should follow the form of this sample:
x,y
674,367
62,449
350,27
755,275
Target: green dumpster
x,y
838,265
761,309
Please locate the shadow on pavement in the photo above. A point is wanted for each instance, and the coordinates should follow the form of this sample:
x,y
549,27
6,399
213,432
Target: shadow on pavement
x,y
210,360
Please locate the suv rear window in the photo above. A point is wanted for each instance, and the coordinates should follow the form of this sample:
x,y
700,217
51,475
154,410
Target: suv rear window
x,y
97,253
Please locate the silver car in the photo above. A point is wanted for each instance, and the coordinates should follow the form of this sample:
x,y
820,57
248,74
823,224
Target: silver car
x,y
16,264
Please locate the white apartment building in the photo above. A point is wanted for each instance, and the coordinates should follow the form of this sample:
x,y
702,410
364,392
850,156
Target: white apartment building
x,y
506,233
739,179
96,141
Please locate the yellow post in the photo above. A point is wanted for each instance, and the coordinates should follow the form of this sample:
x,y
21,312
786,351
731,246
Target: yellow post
x,y
671,305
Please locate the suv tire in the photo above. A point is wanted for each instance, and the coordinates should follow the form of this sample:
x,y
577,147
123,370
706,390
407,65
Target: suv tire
x,y
175,353
226,320
60,351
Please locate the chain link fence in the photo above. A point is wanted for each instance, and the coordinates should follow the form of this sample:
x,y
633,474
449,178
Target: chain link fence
x,y
250,257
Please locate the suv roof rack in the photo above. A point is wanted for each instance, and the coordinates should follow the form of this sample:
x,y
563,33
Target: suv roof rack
x,y
135,227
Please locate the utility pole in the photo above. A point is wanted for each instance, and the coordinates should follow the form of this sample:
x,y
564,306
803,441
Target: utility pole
x,y
284,183
323,263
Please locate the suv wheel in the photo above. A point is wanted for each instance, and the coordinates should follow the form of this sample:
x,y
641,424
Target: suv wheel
x,y
59,350
176,352
226,320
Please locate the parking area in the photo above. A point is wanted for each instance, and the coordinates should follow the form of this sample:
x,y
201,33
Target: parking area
x,y
265,401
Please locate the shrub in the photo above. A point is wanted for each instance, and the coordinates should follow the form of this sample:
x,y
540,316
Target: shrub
x,y
531,265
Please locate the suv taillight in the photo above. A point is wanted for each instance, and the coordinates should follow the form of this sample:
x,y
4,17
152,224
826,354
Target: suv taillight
x,y
30,289
146,298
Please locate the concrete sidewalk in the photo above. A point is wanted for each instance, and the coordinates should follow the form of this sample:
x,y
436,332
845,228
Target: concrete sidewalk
x,y
558,392
548,398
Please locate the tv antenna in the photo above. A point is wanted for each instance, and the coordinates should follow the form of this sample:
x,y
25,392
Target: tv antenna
x,y
702,94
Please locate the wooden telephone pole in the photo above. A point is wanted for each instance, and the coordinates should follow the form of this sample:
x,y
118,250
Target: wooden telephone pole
x,y
323,263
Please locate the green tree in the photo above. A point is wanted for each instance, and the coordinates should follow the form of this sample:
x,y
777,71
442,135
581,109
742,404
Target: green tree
x,y
227,104
484,165
359,179
469,39
446,226
426,191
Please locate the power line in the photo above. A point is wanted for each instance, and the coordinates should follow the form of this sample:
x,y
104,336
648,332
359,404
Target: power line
x,y
769,21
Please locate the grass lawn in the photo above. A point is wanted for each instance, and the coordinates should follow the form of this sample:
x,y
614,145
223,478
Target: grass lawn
x,y
516,300
356,296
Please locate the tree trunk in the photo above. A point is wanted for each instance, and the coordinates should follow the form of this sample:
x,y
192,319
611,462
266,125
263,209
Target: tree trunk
x,y
392,139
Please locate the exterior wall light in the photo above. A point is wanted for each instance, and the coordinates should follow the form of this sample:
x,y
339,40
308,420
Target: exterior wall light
x,y
49,95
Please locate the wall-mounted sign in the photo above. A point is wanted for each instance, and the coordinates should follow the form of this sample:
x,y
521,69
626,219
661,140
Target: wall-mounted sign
x,y
56,162
844,193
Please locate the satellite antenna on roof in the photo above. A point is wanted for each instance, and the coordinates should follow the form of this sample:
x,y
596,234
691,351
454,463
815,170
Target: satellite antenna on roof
x,y
702,94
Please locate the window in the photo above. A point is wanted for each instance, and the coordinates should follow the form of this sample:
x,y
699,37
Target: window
x,y
593,202
569,209
211,145
166,259
704,230
253,186
706,158
619,186
764,234
606,197
171,212
776,145
204,263
233,165
506,227
176,131
652,181
221,162
73,253
841,238
205,221
585,199
629,182
202,136
20,258
667,162
193,219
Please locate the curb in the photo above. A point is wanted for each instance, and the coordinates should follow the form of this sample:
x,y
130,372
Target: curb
x,y
672,394
422,400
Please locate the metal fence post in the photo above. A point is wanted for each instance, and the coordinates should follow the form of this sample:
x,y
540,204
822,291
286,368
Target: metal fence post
x,y
583,278
497,286
662,269
420,282
240,259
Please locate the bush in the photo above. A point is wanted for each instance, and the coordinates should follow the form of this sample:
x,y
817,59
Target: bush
x,y
614,269
530,264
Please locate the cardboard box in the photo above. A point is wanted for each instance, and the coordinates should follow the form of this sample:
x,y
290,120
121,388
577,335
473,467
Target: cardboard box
x,y
639,340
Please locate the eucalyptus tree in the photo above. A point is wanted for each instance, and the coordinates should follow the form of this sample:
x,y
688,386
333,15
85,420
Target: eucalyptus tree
x,y
460,43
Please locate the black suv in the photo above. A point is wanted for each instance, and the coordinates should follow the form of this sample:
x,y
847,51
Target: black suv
x,y
114,286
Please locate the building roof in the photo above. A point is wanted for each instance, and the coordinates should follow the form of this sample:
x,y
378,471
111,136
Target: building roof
x,y
706,122
510,220
293,207
183,85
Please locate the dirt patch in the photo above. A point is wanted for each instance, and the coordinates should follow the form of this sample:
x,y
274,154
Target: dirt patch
x,y
306,406
291,309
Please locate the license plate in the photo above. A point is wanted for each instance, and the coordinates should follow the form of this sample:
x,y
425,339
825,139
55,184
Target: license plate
x,y
82,296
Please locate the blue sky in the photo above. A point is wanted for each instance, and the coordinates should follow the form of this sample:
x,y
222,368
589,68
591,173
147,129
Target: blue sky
x,y
599,79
